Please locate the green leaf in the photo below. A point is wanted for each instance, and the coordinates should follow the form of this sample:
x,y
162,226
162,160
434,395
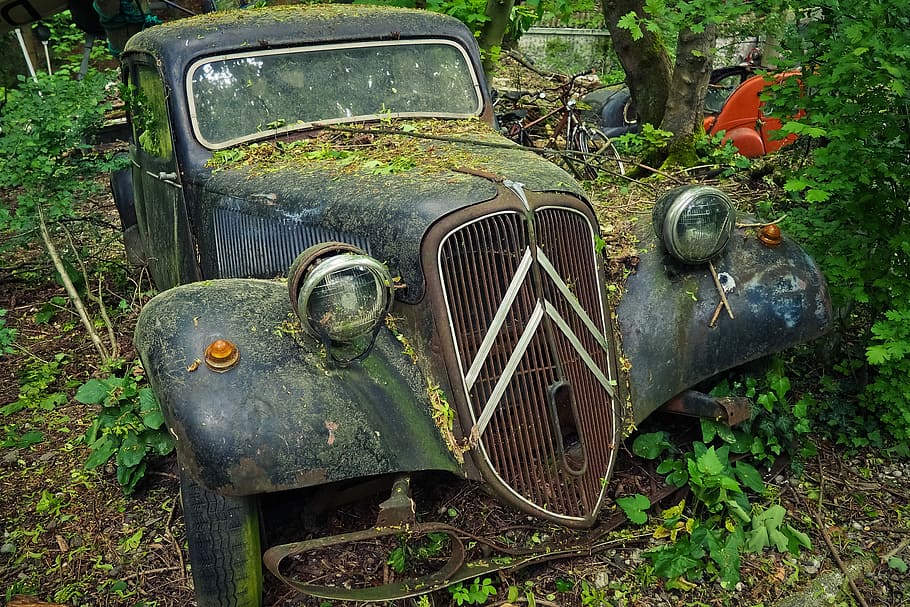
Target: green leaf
x,y
817,195
898,564
749,476
396,559
128,477
710,463
636,508
131,451
650,445
132,542
92,392
102,450
629,22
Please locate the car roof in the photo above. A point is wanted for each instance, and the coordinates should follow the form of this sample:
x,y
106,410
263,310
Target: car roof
x,y
179,41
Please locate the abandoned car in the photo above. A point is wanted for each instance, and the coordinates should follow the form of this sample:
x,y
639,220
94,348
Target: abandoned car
x,y
361,280
734,108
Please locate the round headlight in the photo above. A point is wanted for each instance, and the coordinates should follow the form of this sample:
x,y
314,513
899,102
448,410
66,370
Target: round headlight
x,y
340,297
694,223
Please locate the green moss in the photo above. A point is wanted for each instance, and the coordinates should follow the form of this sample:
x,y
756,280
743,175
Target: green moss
x,y
397,147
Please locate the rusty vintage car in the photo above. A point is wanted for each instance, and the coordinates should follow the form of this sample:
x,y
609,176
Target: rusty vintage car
x,y
361,280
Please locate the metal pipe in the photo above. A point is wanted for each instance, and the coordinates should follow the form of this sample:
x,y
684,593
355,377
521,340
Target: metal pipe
x,y
47,57
28,59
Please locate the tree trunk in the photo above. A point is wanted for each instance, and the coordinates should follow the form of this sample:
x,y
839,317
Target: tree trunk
x,y
645,61
691,74
498,13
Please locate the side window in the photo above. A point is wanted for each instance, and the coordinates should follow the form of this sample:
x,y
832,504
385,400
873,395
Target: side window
x,y
719,92
148,105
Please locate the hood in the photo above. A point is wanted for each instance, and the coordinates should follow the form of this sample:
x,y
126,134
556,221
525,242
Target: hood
x,y
378,190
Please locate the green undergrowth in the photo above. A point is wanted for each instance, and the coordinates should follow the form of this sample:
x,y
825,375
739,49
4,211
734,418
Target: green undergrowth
x,y
730,512
129,426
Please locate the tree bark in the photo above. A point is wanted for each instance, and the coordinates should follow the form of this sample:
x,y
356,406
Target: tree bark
x,y
498,13
691,74
645,61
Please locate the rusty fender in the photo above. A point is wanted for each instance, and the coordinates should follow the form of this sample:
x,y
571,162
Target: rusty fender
x,y
780,299
282,417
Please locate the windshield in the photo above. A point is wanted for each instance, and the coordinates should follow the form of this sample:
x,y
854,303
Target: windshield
x,y
247,96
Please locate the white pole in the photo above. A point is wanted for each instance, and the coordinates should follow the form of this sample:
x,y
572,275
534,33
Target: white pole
x,y
28,60
47,57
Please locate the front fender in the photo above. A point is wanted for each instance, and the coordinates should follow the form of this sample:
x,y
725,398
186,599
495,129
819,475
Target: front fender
x,y
283,417
780,300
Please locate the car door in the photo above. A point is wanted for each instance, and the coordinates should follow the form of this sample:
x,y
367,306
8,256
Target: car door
x,y
159,197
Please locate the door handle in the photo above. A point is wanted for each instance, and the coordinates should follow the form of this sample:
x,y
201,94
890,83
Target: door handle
x,y
170,178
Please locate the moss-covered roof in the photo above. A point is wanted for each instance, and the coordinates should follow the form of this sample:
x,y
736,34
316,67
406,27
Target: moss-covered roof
x,y
283,26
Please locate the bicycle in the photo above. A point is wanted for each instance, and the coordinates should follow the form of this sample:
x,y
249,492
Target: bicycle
x,y
586,149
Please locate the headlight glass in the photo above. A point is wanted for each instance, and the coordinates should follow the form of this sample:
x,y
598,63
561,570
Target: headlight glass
x,y
342,297
694,223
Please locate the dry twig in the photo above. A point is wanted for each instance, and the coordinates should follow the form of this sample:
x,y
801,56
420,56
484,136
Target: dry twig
x,y
834,553
720,290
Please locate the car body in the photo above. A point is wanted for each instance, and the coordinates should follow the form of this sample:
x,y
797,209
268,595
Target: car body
x,y
733,108
361,279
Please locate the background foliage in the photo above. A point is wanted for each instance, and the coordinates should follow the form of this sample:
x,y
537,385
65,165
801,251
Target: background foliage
x,y
849,202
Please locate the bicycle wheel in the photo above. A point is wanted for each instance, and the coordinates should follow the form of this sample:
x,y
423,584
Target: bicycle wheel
x,y
595,149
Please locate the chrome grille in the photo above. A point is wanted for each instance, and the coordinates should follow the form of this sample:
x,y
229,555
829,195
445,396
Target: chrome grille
x,y
264,247
530,331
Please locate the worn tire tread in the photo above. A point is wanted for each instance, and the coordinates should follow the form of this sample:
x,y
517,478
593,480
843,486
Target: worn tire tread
x,y
223,538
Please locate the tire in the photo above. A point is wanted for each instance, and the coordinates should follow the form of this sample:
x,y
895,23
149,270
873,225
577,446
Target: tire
x,y
598,151
225,553
618,116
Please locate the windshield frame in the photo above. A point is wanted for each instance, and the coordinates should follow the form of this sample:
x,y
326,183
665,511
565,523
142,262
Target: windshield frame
x,y
300,126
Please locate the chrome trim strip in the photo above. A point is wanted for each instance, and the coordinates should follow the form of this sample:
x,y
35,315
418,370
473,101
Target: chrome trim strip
x,y
499,319
573,301
579,347
514,360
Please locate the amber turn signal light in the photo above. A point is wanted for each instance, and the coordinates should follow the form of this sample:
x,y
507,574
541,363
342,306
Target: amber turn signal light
x,y
221,355
770,235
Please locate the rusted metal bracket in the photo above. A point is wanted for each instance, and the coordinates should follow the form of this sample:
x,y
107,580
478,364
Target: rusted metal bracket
x,y
399,509
730,410
455,569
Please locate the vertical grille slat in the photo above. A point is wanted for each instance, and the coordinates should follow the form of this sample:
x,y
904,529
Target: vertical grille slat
x,y
477,263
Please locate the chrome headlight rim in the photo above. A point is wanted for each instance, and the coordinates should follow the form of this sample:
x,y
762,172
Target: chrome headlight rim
x,y
671,206
319,262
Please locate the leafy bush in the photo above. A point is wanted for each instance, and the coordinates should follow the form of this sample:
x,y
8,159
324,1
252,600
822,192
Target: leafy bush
x,y
47,162
477,592
708,539
721,523
130,424
37,386
850,203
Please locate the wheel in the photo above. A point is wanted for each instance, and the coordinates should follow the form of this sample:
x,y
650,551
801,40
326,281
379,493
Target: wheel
x,y
596,149
619,117
223,537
